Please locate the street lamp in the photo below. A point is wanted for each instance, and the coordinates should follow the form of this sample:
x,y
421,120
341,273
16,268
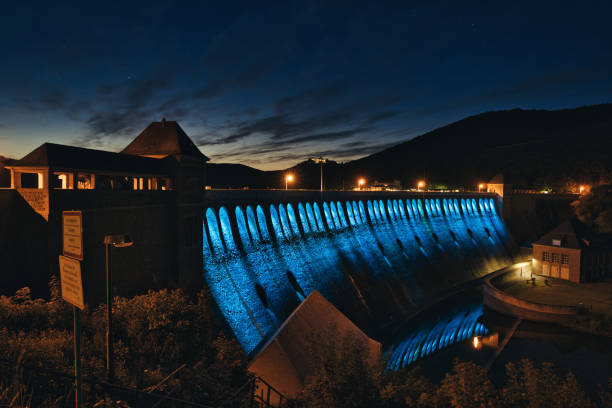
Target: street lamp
x,y
321,161
480,187
420,185
117,241
288,179
361,183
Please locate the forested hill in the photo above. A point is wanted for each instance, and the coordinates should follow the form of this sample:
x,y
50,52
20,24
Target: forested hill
x,y
531,147
538,148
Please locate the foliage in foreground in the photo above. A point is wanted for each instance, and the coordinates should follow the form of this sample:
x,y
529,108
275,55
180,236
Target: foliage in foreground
x,y
155,334
342,378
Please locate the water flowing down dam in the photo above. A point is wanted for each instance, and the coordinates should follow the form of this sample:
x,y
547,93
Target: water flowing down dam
x,y
377,259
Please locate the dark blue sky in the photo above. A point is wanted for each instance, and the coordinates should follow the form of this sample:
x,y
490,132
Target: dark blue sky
x,y
271,84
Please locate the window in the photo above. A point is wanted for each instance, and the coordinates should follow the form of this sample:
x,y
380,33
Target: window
x,y
86,181
556,242
31,180
555,258
546,256
565,259
60,181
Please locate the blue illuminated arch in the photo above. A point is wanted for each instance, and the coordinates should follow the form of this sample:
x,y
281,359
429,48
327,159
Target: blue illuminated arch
x,y
293,220
474,207
438,209
349,211
420,206
464,210
445,206
371,212
213,231
311,218
276,223
242,228
252,223
415,208
303,218
481,206
263,226
492,205
284,221
428,208
390,210
358,219
409,209
341,213
334,213
318,217
485,202
226,229
362,212
328,216
381,207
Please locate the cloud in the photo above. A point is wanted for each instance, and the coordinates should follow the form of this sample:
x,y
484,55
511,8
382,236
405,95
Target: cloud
x,y
314,97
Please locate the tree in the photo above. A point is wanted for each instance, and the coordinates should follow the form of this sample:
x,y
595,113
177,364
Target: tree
x,y
467,386
595,208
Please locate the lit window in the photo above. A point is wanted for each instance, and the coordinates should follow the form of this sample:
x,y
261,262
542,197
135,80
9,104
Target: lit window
x,y
555,258
85,181
546,256
565,259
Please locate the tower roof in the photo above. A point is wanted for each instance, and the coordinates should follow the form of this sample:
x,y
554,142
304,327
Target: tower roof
x,y
162,139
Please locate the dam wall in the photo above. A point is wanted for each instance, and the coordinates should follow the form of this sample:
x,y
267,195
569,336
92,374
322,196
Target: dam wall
x,y
377,256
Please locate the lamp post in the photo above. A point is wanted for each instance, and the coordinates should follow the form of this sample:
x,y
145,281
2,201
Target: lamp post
x,y
321,160
421,185
117,241
361,183
480,187
288,179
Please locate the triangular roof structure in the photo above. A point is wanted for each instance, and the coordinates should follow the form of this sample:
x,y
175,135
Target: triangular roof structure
x,y
162,139
570,234
62,157
285,360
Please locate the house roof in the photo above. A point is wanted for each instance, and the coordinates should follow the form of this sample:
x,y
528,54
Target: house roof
x,y
497,179
571,234
58,156
165,138
286,359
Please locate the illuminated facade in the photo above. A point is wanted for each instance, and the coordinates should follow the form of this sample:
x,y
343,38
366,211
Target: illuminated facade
x,y
573,252
152,191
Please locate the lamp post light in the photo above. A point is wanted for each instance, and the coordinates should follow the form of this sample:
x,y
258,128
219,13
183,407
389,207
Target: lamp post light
x,y
361,183
480,187
321,161
117,241
288,179
421,185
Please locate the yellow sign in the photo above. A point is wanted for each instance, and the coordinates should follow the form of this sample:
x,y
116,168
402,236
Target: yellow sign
x,y
72,232
72,285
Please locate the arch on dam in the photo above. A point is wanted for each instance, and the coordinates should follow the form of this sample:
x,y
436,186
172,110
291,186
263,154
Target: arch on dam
x,y
376,259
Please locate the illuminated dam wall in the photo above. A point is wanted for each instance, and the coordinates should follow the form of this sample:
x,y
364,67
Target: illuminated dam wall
x,y
375,257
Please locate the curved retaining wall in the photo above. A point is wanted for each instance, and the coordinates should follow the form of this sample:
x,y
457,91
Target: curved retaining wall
x,y
376,258
504,303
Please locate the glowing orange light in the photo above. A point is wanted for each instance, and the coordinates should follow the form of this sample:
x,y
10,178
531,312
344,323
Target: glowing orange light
x,y
420,184
481,186
361,182
288,179
476,342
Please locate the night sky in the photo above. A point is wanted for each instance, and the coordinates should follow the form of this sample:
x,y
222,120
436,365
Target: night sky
x,y
270,85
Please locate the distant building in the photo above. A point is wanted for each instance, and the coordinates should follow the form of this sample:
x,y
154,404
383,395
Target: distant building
x,y
573,252
153,191
385,185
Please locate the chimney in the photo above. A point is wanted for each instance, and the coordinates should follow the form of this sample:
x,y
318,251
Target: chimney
x,y
163,121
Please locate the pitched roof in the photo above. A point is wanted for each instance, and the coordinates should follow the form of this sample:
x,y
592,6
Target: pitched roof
x,y
69,157
286,359
497,179
165,138
570,234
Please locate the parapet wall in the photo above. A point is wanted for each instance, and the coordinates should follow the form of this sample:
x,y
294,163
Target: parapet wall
x,y
504,303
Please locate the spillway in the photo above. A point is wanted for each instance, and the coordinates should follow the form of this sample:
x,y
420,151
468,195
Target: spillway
x,y
376,260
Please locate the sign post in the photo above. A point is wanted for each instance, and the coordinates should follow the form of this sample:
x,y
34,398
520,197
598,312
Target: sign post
x,y
72,284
